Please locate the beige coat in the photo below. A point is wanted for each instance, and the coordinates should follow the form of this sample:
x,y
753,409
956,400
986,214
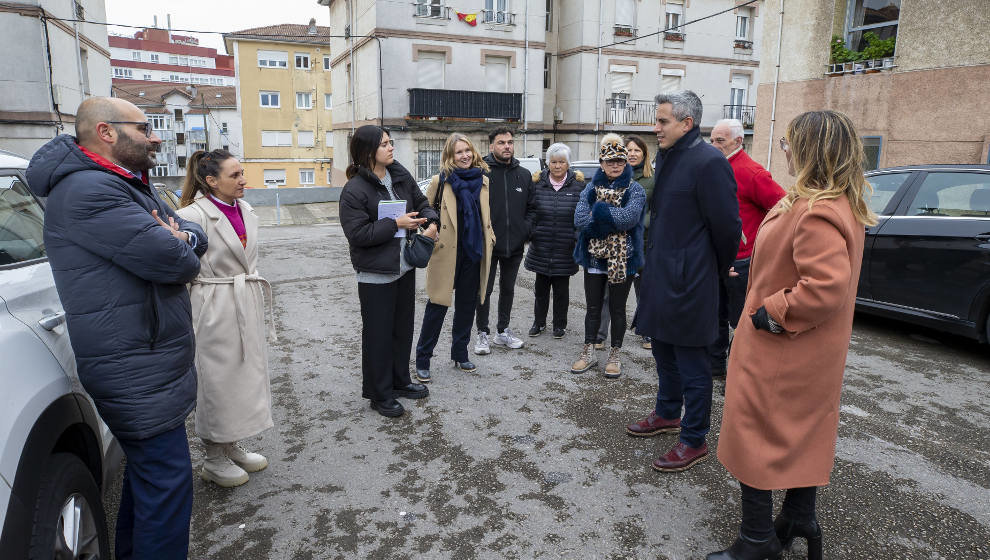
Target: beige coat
x,y
228,308
440,272
781,415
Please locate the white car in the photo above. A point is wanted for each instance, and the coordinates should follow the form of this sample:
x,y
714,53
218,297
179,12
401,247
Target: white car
x,y
56,454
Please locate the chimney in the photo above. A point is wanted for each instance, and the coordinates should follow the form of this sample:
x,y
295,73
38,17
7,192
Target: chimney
x,y
312,26
156,22
169,19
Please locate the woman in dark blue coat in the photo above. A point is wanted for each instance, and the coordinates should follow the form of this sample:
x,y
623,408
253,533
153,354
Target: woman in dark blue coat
x,y
551,243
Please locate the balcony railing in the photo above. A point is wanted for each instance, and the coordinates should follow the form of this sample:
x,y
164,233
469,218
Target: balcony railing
x,y
742,44
630,111
458,104
674,36
431,9
746,114
622,30
498,17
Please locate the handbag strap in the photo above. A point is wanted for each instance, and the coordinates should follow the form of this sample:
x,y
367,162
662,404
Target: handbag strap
x,y
438,193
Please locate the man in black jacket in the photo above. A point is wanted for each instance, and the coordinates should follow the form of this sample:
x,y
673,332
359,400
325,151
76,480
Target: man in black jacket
x,y
510,199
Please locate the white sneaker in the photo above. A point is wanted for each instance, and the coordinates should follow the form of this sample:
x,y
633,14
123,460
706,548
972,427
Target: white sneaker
x,y
506,338
217,468
250,462
482,347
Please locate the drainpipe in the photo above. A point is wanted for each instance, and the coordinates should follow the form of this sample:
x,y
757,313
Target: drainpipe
x,y
598,73
525,98
350,75
79,68
776,82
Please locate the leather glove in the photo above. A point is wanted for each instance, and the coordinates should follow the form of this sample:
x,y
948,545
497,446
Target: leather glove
x,y
762,321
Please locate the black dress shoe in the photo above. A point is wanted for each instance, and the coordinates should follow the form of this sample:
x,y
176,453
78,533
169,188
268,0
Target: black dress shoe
x,y
391,408
411,391
558,333
537,330
465,366
746,548
787,529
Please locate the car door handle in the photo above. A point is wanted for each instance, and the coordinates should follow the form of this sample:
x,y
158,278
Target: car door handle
x,y
49,322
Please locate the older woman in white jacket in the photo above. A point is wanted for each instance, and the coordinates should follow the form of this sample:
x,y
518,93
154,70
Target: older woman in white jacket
x,y
228,306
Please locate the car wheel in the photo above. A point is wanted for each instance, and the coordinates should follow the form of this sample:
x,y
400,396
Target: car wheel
x,y
69,522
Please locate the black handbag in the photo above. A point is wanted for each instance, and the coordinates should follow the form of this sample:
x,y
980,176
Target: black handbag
x,y
419,249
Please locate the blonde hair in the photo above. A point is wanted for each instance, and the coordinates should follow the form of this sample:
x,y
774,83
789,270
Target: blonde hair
x,y
827,154
641,144
447,164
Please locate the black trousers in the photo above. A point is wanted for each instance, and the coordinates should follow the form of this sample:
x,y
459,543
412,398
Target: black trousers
x,y
561,289
757,509
506,291
387,312
595,288
603,330
731,300
467,280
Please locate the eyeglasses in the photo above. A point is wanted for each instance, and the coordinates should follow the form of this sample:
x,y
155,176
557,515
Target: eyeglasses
x,y
784,145
139,124
614,162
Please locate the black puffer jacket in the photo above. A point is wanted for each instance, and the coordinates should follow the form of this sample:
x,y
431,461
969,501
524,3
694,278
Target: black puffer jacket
x,y
510,199
374,247
551,243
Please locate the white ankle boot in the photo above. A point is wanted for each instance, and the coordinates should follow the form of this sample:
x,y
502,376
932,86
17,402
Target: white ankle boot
x,y
217,468
250,462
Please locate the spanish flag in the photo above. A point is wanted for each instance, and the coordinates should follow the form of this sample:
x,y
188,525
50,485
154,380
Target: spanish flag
x,y
470,19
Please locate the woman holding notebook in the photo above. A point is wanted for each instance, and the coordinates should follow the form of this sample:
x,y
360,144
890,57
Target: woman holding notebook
x,y
376,232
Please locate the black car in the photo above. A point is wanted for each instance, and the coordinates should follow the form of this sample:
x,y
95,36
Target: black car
x,y
927,261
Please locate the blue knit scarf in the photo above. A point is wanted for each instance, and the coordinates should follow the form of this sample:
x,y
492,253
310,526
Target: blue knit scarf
x,y
466,184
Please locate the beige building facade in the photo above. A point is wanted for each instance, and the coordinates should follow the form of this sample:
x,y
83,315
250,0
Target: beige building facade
x,y
926,103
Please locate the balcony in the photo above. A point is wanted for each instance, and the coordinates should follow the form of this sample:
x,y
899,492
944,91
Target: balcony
x,y
498,17
621,30
673,36
457,104
746,114
636,112
742,44
433,9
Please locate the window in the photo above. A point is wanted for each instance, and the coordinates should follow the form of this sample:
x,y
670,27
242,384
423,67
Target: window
x,y
181,162
225,147
329,142
742,24
497,74
84,61
326,62
158,122
307,176
329,177
173,59
80,11
304,100
430,70
23,222
136,55
737,94
871,149
549,20
965,195
621,78
305,138
269,99
877,16
147,77
276,138
670,80
178,114
223,127
547,58
196,146
154,57
428,157
180,137
274,177
429,8
496,12
273,59
328,101
625,15
884,188
302,61
159,170
124,73
674,16
183,61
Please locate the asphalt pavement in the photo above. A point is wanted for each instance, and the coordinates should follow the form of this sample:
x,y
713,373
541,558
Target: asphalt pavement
x,y
522,459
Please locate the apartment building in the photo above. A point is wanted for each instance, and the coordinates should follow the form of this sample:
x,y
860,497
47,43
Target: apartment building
x,y
912,75
555,70
187,118
158,55
284,96
50,65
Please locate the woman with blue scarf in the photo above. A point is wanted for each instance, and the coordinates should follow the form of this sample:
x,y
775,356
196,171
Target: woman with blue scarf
x,y
458,269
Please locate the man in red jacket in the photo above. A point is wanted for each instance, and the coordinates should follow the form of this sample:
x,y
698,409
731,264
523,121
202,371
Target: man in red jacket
x,y
757,193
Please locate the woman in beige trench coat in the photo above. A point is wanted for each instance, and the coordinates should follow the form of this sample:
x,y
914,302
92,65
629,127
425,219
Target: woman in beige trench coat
x,y
228,307
458,269
781,414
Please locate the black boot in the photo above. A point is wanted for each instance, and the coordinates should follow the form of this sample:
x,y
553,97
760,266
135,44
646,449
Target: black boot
x,y
787,529
746,548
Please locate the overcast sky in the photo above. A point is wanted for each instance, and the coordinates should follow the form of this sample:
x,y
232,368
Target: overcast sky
x,y
213,15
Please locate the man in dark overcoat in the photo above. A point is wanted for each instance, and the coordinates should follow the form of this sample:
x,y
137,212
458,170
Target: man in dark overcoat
x,y
694,235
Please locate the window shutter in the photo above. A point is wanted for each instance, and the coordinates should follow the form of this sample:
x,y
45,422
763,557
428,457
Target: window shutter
x,y
670,84
496,74
430,70
625,11
621,82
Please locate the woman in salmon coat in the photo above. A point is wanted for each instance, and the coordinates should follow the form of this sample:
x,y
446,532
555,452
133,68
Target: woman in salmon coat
x,y
781,415
233,399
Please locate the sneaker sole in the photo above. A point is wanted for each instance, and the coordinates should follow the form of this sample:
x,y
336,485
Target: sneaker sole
x,y
482,352
423,380
459,368
612,375
223,482
681,469
654,433
251,467
508,345
585,369
531,335
558,337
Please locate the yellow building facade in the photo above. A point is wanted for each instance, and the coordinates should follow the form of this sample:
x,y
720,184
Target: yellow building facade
x,y
284,99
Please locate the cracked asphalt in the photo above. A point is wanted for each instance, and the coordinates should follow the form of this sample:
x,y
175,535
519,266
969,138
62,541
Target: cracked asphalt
x,y
522,459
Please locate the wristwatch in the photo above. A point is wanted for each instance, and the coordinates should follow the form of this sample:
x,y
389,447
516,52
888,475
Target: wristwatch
x,y
775,327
